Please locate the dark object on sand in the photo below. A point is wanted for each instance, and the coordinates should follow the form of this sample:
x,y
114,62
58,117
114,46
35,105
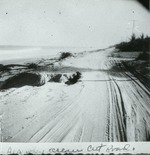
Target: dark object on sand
x,y
55,78
74,79
21,80
65,55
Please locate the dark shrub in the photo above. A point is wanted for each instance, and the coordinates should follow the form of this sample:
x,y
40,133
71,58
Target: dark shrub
x,y
74,79
4,68
144,56
32,66
65,55
22,79
55,78
1,66
135,44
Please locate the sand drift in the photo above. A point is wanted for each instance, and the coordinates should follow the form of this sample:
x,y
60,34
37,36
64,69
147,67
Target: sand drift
x,y
105,103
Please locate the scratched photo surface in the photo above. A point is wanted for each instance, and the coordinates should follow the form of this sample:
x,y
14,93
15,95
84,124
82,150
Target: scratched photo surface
x,y
74,71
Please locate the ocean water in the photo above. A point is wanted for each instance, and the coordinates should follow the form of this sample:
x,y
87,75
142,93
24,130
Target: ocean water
x,y
15,55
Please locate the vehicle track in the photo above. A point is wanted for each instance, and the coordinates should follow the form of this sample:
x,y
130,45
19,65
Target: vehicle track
x,y
109,105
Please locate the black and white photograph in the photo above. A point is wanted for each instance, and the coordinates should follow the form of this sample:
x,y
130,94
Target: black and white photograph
x,y
74,71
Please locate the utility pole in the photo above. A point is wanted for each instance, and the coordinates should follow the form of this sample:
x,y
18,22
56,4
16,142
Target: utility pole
x,y
133,26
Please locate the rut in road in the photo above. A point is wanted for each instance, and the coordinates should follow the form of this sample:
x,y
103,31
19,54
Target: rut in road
x,y
105,105
136,99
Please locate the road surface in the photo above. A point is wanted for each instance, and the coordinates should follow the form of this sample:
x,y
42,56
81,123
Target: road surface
x,y
108,104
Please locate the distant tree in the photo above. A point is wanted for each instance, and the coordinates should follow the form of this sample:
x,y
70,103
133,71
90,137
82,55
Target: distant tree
x,y
140,43
142,36
133,37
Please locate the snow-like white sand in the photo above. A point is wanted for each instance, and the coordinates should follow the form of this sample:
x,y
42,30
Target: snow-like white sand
x,y
101,107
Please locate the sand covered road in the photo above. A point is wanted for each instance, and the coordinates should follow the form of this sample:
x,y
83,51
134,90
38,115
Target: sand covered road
x,y
106,105
134,102
64,113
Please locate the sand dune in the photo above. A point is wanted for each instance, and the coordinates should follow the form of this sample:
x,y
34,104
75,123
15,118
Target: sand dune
x,y
104,105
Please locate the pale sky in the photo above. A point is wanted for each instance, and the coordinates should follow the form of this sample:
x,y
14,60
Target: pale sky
x,y
73,23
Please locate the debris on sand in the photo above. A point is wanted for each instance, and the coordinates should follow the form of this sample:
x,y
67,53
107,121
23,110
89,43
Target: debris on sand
x,y
22,79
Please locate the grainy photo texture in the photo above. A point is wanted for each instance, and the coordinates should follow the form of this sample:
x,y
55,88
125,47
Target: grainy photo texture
x,y
74,71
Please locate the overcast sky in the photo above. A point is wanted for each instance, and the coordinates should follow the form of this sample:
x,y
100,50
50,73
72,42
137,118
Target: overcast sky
x,y
78,23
